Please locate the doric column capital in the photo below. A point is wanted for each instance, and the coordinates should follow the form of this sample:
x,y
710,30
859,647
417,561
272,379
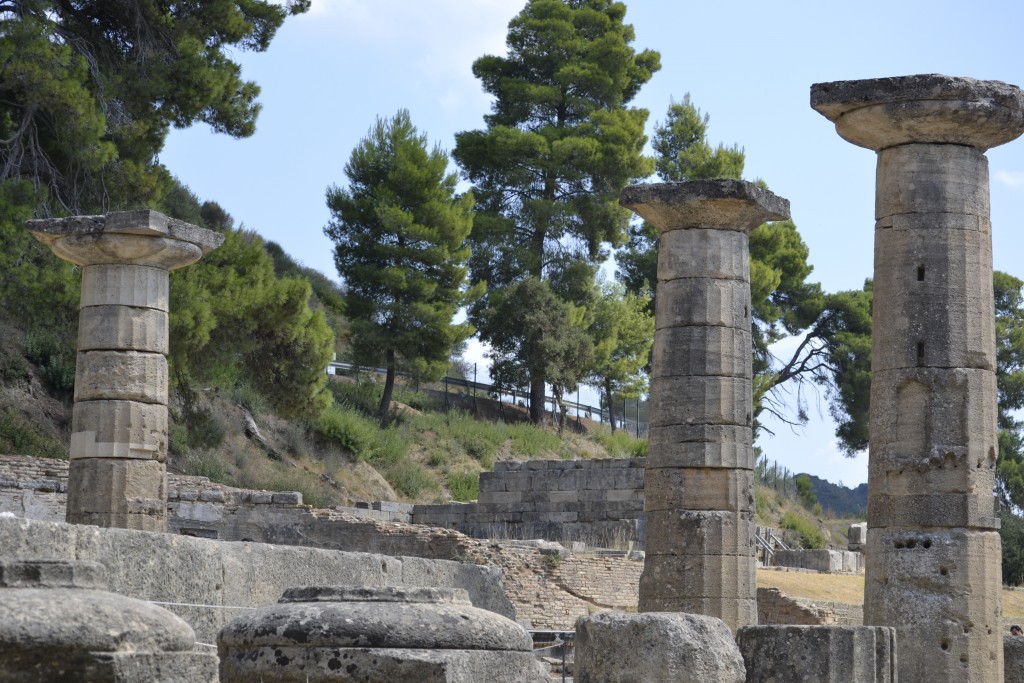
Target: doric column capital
x,y
723,204
879,113
144,238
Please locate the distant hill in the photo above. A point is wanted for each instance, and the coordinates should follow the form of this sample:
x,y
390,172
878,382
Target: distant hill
x,y
841,501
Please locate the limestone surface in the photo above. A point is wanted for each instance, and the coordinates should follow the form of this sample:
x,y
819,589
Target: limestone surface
x,y
698,490
376,634
724,203
121,372
55,625
933,551
614,647
884,112
822,654
1013,656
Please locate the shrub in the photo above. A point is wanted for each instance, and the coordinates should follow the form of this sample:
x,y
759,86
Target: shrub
x,y
346,429
409,478
811,537
205,464
762,502
55,360
464,486
13,367
205,430
363,397
20,435
362,436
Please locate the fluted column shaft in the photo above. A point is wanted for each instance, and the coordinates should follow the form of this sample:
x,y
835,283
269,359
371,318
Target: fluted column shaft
x,y
117,475
699,478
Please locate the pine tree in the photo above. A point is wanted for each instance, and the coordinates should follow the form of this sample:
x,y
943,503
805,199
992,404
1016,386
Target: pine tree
x,y
623,331
559,146
400,233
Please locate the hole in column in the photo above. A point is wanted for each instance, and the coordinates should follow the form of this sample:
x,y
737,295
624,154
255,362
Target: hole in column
x,y
920,273
920,353
963,658
927,543
746,311
943,571
945,645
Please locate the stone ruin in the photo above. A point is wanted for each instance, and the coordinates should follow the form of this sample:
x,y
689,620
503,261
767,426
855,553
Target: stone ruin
x,y
119,424
932,586
933,550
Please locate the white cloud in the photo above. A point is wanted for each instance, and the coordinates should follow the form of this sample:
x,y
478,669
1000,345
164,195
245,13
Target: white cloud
x,y
1010,178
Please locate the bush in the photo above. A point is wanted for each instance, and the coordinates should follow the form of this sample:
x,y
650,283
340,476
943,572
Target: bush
x,y
205,464
409,478
361,436
811,537
363,397
762,502
346,429
464,486
55,360
13,367
204,430
20,436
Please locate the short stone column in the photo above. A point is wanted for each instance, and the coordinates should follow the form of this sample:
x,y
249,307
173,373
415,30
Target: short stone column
x,y
615,647
117,474
933,551
1013,659
398,635
59,623
699,475
823,654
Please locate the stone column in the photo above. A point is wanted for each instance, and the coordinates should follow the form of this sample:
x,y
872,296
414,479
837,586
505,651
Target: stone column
x,y
117,474
933,553
699,478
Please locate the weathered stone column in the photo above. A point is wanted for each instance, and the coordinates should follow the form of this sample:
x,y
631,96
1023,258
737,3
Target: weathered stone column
x,y
117,473
933,553
699,478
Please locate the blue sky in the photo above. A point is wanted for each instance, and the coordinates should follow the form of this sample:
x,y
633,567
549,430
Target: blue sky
x,y
750,65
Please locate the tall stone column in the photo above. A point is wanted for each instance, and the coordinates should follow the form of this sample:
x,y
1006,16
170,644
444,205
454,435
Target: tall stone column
x,y
117,472
699,478
933,553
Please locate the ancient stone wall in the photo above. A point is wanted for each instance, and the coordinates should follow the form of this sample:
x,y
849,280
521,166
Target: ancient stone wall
x,y
208,583
775,607
598,502
829,561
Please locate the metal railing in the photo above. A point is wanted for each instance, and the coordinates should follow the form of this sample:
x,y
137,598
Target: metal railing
x,y
522,397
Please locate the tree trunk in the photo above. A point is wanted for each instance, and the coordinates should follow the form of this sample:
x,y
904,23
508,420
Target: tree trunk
x,y
384,412
557,393
537,401
608,400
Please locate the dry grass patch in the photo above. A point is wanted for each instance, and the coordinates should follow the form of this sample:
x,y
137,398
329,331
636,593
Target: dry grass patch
x,y
813,586
1013,603
848,588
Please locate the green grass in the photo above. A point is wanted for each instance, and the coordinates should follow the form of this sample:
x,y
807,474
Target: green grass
x,y
621,444
464,486
20,435
410,479
811,537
